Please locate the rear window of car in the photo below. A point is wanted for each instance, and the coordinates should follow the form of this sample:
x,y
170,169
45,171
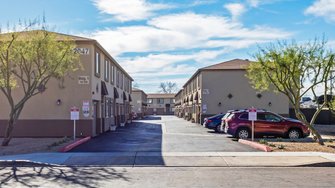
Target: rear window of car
x,y
243,116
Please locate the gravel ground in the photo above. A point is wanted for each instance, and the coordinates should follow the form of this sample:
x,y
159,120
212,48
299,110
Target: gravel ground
x,y
31,145
327,132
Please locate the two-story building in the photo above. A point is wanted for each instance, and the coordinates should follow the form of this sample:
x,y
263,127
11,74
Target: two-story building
x,y
221,87
139,102
160,104
179,110
101,90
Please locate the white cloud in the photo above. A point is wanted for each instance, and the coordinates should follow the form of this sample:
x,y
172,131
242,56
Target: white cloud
x,y
203,2
253,3
161,63
235,9
322,8
257,3
184,31
127,10
176,45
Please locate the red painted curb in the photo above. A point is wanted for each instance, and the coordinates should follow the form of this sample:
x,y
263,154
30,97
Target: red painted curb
x,y
74,144
255,145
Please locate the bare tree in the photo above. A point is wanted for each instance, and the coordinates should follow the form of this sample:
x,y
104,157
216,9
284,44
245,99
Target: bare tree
x,y
168,87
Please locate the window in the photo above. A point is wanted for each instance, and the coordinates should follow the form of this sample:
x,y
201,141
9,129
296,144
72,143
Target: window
x,y
160,101
172,101
121,81
149,101
125,84
112,75
198,80
244,116
117,78
106,70
97,64
261,116
272,118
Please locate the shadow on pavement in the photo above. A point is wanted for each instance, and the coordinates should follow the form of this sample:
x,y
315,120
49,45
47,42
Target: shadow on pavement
x,y
29,175
324,164
126,142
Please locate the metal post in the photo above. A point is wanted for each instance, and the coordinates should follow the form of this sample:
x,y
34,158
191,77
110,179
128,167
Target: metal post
x,y
253,130
74,130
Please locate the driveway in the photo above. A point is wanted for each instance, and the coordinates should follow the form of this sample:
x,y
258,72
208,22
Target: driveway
x,y
162,134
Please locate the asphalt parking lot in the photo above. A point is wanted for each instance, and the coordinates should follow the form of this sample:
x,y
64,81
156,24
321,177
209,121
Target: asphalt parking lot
x,y
162,134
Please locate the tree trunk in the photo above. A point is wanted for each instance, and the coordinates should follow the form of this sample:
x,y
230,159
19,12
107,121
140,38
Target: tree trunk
x,y
8,132
316,136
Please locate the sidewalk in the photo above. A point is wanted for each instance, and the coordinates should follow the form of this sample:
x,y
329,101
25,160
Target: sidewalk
x,y
175,159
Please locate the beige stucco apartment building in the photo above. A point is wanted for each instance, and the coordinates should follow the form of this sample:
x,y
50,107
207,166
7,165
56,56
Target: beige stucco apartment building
x,y
139,102
101,91
160,104
222,87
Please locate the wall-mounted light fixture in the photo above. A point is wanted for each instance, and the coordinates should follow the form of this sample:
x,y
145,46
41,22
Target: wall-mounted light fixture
x,y
230,96
220,104
259,95
59,102
270,104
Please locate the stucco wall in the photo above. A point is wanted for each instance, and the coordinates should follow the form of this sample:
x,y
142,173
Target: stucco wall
x,y
219,84
70,93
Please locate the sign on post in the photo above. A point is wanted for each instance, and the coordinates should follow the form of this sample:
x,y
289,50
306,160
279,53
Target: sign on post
x,y
252,116
74,117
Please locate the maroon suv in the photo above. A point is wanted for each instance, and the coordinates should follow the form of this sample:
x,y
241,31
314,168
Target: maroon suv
x,y
267,124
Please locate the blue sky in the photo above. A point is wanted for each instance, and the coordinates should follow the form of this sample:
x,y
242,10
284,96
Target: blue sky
x,y
168,40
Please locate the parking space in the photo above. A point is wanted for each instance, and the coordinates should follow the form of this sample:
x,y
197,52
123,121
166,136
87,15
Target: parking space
x,y
162,134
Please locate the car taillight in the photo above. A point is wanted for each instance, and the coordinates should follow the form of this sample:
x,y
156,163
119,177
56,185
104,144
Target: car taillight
x,y
209,120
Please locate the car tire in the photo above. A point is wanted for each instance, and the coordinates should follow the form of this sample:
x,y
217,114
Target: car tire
x,y
243,133
217,129
294,134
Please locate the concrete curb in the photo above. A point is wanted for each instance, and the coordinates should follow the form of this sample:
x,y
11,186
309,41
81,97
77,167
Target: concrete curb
x,y
74,144
255,145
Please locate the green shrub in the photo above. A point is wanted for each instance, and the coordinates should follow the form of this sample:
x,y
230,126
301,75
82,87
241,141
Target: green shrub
x,y
281,146
263,141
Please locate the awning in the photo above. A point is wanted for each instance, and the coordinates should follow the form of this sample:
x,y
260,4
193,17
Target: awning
x,y
104,90
130,98
116,94
124,96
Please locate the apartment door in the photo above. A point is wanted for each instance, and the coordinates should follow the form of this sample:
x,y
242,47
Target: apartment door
x,y
95,118
167,109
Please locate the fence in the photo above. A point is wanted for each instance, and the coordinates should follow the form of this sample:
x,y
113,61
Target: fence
x,y
325,116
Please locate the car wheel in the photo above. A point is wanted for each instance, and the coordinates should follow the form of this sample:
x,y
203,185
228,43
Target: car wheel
x,y
218,129
243,133
294,134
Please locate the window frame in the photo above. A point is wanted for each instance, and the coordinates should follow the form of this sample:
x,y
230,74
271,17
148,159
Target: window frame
x,y
97,65
106,71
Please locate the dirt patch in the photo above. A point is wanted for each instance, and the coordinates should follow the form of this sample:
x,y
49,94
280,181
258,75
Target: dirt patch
x,y
32,145
329,147
304,145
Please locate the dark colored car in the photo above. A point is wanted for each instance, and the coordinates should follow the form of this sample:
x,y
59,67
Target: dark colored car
x,y
321,99
214,122
267,124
